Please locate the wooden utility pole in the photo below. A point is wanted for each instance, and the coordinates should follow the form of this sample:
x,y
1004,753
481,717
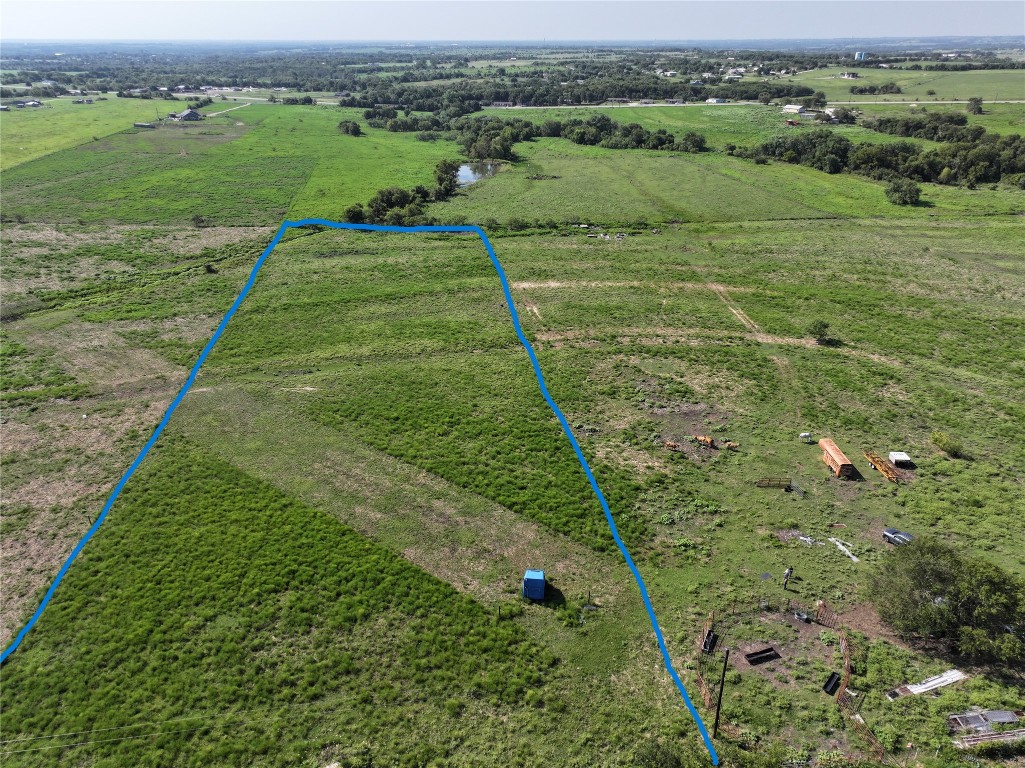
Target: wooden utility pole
x,y
722,684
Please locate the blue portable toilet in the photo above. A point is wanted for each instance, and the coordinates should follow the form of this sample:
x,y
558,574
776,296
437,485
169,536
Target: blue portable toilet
x,y
534,585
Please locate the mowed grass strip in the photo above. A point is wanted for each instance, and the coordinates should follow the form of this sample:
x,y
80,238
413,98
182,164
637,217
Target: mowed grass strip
x,y
407,349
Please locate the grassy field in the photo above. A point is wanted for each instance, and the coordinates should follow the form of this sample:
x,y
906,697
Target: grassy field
x,y
617,187
311,566
254,166
993,85
31,133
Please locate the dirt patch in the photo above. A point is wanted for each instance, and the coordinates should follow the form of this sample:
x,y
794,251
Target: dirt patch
x,y
527,285
28,562
681,422
865,619
630,458
63,457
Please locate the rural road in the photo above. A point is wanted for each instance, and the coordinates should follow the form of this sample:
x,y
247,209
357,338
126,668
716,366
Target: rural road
x,y
224,111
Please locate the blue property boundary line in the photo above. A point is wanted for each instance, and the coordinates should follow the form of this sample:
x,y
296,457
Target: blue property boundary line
x,y
285,226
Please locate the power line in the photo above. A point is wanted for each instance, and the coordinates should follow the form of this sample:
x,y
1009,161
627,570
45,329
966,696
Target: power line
x,y
102,730
100,741
283,712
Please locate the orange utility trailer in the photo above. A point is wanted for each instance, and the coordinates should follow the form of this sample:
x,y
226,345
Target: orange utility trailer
x,y
835,459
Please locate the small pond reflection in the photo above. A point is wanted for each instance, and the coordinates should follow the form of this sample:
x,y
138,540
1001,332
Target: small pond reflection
x,y
472,172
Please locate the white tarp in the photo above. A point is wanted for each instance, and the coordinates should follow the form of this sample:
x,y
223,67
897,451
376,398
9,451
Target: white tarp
x,y
948,677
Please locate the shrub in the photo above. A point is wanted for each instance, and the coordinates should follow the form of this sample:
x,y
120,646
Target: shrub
x,y
350,128
818,330
903,192
949,445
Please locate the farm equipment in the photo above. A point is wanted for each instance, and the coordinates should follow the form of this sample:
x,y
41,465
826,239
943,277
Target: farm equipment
x,y
888,469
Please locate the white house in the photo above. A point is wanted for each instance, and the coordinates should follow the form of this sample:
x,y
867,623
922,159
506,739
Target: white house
x,y
794,109
715,101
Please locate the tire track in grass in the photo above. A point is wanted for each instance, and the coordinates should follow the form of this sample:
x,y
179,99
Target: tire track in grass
x,y
506,290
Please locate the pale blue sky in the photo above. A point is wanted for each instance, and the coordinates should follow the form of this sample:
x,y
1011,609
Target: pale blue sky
x,y
633,20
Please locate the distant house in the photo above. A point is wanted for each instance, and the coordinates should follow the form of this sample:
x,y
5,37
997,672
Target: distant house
x,y
189,115
669,73
697,82
849,75
859,56
674,101
794,109
715,101
617,100
4,108
502,104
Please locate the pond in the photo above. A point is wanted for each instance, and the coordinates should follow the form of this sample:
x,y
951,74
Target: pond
x,y
473,172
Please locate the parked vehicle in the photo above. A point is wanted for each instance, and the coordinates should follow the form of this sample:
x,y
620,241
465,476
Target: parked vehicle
x,y
897,538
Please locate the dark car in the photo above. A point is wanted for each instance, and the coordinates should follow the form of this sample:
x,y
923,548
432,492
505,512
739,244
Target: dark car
x,y
897,538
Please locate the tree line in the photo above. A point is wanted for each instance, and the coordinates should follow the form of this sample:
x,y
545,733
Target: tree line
x,y
988,159
492,138
934,126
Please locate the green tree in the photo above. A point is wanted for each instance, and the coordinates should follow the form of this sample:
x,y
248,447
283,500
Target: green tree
x,y
844,115
903,192
974,106
927,589
446,177
355,214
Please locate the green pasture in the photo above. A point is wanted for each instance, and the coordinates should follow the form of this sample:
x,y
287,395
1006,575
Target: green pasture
x,y
282,161
993,84
30,133
319,561
619,187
